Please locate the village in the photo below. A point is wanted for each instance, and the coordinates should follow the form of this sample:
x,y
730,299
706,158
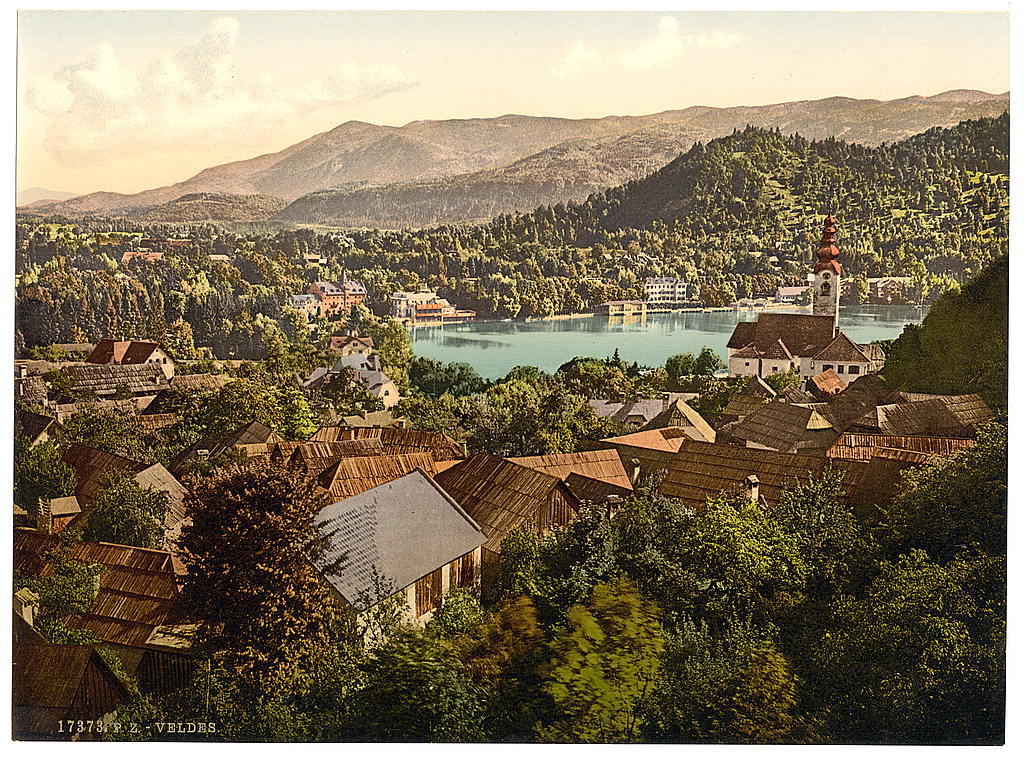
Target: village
x,y
406,516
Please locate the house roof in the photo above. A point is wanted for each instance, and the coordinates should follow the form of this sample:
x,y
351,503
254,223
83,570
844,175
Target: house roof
x,y
604,465
138,590
251,434
842,350
395,441
756,386
747,352
641,410
666,439
122,352
63,506
802,335
106,379
957,415
316,456
54,682
740,405
588,489
400,531
784,426
700,470
349,476
498,494
32,425
341,341
678,414
828,382
777,350
863,446
369,419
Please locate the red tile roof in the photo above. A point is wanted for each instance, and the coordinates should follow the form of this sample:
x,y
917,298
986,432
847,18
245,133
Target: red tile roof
x,y
126,352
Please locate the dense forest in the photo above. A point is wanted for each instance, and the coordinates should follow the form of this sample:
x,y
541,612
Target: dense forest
x,y
737,217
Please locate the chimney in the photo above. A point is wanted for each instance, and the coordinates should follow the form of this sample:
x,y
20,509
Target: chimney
x,y
463,449
44,520
26,605
634,470
753,488
612,504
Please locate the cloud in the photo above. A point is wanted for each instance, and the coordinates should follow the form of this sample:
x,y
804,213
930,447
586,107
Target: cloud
x,y
579,58
669,42
95,108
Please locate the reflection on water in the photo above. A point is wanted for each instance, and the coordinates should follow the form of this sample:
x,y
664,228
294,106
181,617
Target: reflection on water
x,y
493,349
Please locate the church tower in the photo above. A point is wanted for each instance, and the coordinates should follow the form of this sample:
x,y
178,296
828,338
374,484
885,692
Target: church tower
x,y
827,275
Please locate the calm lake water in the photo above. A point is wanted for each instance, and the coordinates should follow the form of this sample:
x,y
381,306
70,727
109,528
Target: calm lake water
x,y
493,349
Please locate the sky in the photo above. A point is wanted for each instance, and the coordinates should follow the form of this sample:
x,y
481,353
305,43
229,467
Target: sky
x,y
126,101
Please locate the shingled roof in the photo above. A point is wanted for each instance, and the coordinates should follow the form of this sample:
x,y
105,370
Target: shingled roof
x,y
33,425
639,412
784,427
802,335
147,378
603,464
842,350
501,495
137,592
395,441
122,352
862,446
700,470
54,683
350,476
254,437
400,531
588,489
678,414
957,415
826,383
314,457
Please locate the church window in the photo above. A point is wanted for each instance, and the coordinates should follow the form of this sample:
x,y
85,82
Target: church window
x,y
825,289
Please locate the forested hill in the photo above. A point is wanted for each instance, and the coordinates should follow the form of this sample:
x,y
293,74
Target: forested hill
x,y
771,189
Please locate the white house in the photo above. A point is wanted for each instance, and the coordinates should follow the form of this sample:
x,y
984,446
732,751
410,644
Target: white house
x,y
666,291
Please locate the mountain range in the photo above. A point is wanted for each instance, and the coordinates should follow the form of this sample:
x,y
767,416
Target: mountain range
x,y
432,172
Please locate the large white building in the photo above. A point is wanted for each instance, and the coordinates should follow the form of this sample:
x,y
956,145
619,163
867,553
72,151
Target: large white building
x,y
666,291
810,344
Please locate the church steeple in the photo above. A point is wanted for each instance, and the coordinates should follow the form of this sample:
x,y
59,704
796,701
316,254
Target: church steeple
x,y
827,274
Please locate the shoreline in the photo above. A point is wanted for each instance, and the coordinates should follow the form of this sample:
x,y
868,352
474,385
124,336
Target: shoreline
x,y
574,316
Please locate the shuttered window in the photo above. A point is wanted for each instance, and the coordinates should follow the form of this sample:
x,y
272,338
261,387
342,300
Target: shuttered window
x,y
428,592
462,571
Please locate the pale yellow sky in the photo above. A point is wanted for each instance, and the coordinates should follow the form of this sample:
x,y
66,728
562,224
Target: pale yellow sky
x,y
126,101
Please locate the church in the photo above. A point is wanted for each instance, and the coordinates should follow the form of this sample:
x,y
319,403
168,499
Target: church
x,y
810,344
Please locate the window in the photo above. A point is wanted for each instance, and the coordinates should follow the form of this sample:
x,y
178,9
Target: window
x,y
747,364
775,369
839,369
854,370
428,592
463,571
826,367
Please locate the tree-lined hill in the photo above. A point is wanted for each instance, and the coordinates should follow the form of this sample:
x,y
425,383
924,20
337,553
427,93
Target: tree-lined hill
x,y
432,172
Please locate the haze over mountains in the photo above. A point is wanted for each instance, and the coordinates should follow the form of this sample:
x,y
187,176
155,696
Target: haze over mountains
x,y
432,172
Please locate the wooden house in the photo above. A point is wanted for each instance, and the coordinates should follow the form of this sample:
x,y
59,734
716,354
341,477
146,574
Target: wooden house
x,y
407,533
678,414
253,440
314,457
863,447
37,428
54,685
784,427
602,465
350,476
501,496
132,352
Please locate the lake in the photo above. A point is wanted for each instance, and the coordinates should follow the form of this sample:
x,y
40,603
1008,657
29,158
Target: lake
x,y
494,348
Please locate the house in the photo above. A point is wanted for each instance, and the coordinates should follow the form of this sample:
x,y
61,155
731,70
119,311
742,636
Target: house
x,y
678,414
809,344
396,441
408,533
37,428
826,384
254,439
784,427
754,393
56,514
358,362
700,470
865,446
149,256
349,476
58,685
336,298
602,465
790,295
105,381
645,454
305,303
888,289
367,373
958,416
93,468
665,291
351,345
501,496
313,457
131,352
630,414
425,306
622,308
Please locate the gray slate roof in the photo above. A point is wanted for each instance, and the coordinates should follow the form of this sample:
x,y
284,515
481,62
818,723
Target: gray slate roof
x,y
401,530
